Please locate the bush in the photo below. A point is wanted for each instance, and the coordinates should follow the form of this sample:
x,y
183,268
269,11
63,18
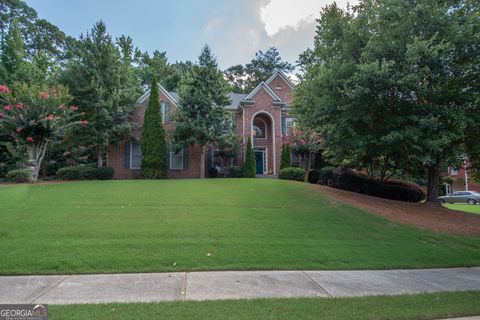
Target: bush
x,y
75,173
349,180
102,173
325,175
313,176
212,172
235,172
249,170
19,175
292,173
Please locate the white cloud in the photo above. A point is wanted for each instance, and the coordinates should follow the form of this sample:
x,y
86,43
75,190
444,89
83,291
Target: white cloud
x,y
278,14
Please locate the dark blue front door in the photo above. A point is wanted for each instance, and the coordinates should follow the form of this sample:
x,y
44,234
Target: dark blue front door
x,y
259,161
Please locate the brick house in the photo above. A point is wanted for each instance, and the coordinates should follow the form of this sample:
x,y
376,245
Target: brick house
x,y
263,114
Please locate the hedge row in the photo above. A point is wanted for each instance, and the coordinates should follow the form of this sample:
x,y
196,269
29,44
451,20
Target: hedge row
x,y
84,173
292,173
349,180
19,175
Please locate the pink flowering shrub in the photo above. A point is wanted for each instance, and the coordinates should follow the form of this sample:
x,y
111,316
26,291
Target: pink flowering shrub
x,y
306,143
38,118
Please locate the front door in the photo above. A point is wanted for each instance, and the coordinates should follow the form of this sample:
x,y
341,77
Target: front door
x,y
259,154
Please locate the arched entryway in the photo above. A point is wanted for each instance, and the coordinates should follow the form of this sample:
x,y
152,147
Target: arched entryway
x,y
263,140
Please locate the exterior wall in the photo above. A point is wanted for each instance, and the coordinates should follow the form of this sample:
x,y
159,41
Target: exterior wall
x,y
116,154
262,106
459,180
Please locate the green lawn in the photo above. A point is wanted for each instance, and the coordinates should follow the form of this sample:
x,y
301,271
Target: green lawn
x,y
464,207
213,224
414,307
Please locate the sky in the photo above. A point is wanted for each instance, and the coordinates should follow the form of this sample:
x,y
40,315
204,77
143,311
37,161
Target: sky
x,y
235,29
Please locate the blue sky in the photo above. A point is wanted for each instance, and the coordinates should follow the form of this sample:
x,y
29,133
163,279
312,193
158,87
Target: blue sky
x,y
235,29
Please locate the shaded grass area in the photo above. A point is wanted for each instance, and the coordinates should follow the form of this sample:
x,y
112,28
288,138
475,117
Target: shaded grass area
x,y
415,307
213,224
464,207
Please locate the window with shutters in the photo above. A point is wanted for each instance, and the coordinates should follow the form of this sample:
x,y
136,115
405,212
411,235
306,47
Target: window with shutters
x,y
135,155
166,116
289,125
176,160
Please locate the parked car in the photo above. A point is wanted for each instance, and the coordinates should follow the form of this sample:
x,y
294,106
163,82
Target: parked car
x,y
470,197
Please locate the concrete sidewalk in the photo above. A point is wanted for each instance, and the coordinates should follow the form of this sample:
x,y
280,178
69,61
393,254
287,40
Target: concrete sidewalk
x,y
153,287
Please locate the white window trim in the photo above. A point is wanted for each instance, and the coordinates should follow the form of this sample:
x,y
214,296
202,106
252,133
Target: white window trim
x,y
162,105
131,158
286,124
170,162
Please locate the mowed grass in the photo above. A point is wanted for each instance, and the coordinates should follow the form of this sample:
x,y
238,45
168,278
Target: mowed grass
x,y
464,207
406,307
213,224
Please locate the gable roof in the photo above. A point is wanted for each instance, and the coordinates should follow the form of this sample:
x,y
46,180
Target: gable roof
x,y
282,75
263,85
172,96
235,99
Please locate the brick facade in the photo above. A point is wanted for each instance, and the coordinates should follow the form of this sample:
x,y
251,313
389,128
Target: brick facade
x,y
269,103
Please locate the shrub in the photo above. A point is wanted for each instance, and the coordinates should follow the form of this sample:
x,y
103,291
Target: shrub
x,y
212,172
235,172
313,176
19,175
249,170
325,175
286,157
75,173
292,173
349,180
102,173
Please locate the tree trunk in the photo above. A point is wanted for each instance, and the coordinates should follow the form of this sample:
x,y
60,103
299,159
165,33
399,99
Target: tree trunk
x,y
99,157
202,162
432,184
36,153
308,161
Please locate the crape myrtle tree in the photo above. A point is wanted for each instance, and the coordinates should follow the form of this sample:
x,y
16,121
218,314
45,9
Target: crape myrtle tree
x,y
103,84
35,117
306,144
154,165
202,118
388,85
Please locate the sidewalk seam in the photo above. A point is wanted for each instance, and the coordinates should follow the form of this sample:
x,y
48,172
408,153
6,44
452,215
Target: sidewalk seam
x,y
184,298
431,284
318,284
49,288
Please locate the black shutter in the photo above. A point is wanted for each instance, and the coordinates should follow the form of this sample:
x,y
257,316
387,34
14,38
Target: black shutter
x,y
127,154
185,157
209,157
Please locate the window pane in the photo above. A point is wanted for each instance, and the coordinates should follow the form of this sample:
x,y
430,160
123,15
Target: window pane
x,y
176,160
136,154
259,129
166,111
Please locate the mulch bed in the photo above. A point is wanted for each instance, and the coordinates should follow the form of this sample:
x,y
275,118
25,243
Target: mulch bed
x,y
421,215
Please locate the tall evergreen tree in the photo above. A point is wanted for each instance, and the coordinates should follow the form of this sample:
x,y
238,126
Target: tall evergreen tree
x,y
202,118
249,169
286,157
103,84
154,164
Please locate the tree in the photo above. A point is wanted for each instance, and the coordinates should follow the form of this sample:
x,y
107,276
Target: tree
x,y
227,147
202,118
154,165
263,66
103,84
286,157
35,117
306,144
236,77
249,170
386,85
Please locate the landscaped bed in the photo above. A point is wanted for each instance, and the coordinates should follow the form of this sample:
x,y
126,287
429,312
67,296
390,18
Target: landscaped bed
x,y
406,307
214,224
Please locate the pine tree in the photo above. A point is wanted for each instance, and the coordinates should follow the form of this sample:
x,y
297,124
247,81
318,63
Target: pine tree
x,y
286,159
202,118
154,165
249,170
